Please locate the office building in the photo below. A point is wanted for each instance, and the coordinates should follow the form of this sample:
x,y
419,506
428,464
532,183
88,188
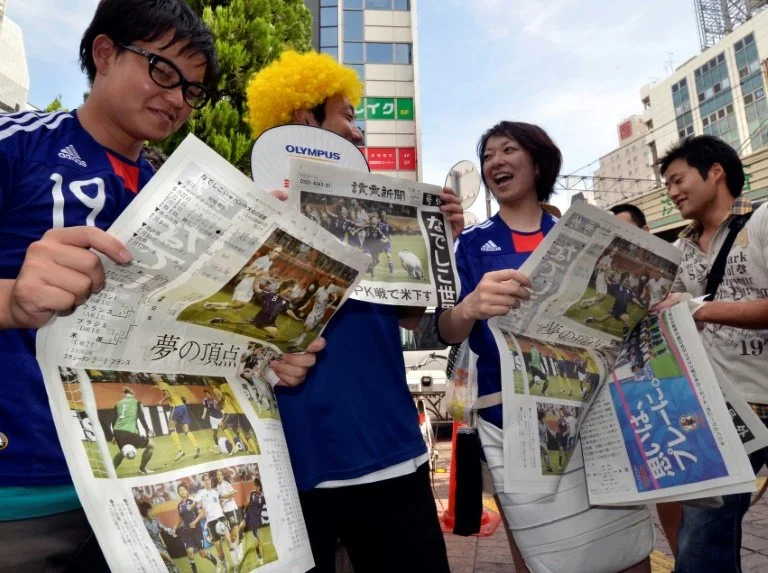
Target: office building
x,y
627,171
378,39
14,74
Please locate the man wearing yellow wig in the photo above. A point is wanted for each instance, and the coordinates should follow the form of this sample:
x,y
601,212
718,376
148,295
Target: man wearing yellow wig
x,y
358,457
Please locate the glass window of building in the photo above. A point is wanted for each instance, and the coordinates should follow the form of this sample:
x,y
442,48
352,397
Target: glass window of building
x,y
359,68
713,90
378,4
329,16
402,5
353,53
353,4
329,37
333,52
353,26
403,54
753,91
378,53
329,3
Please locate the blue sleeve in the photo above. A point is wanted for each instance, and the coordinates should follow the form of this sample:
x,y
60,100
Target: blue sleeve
x,y
467,281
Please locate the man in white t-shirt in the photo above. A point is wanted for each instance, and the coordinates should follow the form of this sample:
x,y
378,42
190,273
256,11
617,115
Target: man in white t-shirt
x,y
704,178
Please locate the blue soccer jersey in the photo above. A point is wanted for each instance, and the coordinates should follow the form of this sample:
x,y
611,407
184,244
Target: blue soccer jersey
x,y
213,407
492,246
272,306
52,174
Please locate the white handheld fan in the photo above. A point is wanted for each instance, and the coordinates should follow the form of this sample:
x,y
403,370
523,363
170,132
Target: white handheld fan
x,y
273,150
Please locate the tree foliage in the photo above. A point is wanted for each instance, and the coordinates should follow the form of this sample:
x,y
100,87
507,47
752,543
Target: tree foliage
x,y
249,34
55,105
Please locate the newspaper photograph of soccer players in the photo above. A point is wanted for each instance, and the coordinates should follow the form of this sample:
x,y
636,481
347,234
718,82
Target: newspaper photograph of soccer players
x,y
209,522
257,380
553,370
284,295
671,432
164,422
627,280
395,223
82,425
557,427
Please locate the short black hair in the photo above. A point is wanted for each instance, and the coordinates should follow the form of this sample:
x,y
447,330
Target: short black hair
x,y
144,507
546,155
126,21
636,213
702,152
318,112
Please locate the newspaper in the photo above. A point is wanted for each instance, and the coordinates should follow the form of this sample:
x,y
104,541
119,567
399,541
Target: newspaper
x,y
660,428
572,335
160,385
396,223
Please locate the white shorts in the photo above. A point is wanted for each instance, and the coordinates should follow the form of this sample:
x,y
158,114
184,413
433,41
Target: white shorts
x,y
562,532
600,285
314,317
582,376
215,422
244,290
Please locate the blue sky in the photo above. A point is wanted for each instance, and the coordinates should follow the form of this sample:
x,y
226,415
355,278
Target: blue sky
x,y
573,67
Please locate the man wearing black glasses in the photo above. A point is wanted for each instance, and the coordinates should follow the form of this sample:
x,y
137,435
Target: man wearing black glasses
x,y
64,177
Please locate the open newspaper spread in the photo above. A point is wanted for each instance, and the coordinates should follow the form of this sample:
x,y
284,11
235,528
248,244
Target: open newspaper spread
x,y
396,223
160,384
594,278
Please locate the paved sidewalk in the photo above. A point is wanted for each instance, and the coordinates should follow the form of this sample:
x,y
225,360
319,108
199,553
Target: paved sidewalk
x,y
491,554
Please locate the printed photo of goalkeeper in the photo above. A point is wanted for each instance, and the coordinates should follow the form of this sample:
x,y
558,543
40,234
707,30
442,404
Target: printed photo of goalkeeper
x,y
387,233
621,288
558,428
162,422
257,380
285,294
553,370
210,522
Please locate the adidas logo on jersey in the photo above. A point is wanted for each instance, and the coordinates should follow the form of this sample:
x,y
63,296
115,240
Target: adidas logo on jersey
x,y
490,247
69,152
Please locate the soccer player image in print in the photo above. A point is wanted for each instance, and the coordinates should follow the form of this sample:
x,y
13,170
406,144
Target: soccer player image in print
x,y
179,416
154,527
323,298
235,424
254,515
190,530
519,165
125,431
212,411
228,496
600,279
216,522
248,282
623,295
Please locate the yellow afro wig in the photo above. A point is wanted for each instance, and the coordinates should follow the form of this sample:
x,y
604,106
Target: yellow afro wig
x,y
294,82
